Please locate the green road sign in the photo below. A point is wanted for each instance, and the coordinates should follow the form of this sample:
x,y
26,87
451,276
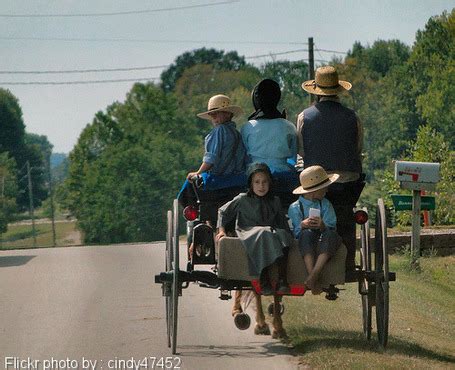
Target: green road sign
x,y
404,202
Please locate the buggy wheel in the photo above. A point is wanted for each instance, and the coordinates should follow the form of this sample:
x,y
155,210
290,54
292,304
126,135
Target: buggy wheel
x,y
365,287
167,286
175,280
382,275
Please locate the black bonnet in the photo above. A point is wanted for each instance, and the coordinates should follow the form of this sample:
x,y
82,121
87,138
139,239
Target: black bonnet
x,y
266,95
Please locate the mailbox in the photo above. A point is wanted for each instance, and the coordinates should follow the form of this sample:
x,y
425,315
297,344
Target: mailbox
x,y
417,175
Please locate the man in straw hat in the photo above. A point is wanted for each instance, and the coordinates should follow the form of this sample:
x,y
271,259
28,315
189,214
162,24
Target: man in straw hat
x,y
331,135
223,163
314,222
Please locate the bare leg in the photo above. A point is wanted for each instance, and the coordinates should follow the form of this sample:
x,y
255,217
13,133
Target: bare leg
x,y
309,264
314,275
261,327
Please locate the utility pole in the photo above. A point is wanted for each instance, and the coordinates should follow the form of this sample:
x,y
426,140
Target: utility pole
x,y
311,64
30,196
51,195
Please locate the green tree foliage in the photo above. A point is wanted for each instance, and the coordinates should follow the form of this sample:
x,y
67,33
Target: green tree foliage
x,y
8,190
12,126
428,146
432,66
432,146
22,147
380,96
128,166
218,58
381,57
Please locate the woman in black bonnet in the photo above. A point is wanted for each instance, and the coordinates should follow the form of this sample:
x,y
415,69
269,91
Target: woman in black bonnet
x,y
270,138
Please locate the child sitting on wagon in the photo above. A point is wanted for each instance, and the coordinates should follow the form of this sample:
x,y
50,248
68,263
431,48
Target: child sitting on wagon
x,y
314,222
223,164
261,226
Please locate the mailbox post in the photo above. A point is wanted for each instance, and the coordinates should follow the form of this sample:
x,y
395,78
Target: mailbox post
x,y
416,176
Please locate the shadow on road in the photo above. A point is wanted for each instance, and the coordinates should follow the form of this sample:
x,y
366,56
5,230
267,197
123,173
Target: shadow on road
x,y
9,261
262,350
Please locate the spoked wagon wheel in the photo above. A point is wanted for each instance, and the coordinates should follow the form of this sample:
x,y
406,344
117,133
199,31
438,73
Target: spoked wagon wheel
x,y
366,288
381,264
168,264
175,280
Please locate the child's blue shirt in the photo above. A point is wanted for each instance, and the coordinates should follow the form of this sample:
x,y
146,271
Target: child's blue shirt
x,y
295,213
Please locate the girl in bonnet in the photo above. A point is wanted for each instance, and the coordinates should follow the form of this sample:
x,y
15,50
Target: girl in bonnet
x,y
261,226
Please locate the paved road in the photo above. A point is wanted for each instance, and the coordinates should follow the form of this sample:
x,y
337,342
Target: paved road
x,y
69,307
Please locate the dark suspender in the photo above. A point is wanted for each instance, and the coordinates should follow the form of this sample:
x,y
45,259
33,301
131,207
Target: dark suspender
x,y
234,150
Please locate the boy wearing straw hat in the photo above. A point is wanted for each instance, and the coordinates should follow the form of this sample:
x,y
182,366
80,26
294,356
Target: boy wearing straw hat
x,y
314,222
224,150
223,164
331,135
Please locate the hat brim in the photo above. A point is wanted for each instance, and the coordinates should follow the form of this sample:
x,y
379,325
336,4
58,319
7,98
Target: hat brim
x,y
332,178
312,88
235,110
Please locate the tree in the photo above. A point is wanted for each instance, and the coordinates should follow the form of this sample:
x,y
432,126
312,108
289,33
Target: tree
x,y
128,166
381,57
218,58
432,66
22,147
12,125
8,190
432,146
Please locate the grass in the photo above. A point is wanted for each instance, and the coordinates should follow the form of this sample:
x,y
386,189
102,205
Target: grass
x,y
21,236
328,334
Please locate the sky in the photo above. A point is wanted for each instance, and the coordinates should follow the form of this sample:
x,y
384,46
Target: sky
x,y
74,35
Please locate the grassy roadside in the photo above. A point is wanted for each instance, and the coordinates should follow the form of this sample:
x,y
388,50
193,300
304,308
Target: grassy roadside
x,y
20,236
328,335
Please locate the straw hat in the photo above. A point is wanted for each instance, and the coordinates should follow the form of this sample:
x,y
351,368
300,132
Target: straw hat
x,y
220,103
326,82
314,178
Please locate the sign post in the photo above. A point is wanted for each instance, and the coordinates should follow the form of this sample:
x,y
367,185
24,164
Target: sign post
x,y
416,176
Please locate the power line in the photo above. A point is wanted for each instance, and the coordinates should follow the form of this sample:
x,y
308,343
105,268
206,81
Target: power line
x,y
142,11
331,51
107,39
92,70
86,70
119,69
273,54
80,82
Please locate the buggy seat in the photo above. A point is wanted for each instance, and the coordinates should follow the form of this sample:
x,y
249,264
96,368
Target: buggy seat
x,y
233,264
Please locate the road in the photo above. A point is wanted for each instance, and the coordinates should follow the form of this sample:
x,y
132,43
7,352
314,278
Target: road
x,y
98,307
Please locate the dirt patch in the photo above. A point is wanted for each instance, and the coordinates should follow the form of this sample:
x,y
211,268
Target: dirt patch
x,y
73,238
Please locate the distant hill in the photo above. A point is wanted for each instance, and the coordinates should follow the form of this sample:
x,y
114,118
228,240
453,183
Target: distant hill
x,y
59,167
57,159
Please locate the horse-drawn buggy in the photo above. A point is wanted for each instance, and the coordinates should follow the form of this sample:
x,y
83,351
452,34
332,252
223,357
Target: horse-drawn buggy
x,y
229,270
